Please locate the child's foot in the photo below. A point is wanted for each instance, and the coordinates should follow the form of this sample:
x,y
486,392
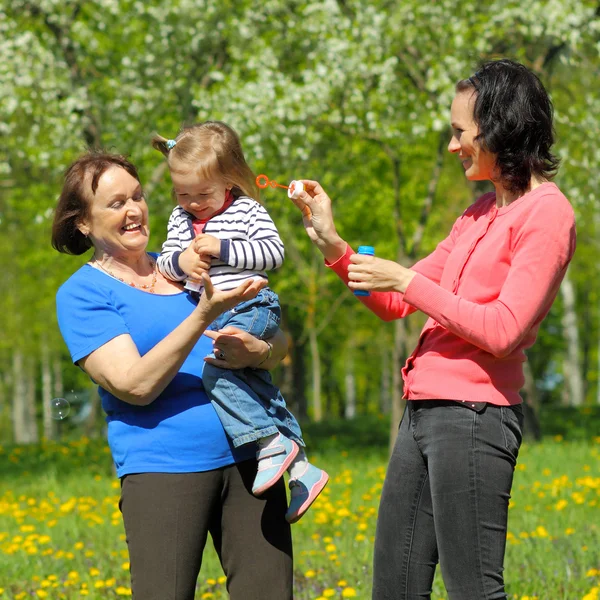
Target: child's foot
x,y
273,461
305,489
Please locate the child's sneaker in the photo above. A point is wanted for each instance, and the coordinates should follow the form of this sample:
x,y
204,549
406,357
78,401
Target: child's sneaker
x,y
273,461
304,491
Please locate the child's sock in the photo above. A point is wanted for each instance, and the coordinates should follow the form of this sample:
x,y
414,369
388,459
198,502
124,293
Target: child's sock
x,y
299,465
268,440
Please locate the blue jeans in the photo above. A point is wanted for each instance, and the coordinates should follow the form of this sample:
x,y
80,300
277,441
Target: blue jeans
x,y
445,499
247,402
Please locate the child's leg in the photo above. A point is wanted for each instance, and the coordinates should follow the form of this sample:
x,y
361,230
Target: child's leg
x,y
249,406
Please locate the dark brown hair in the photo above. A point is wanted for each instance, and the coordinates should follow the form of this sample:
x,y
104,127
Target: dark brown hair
x,y
515,118
80,185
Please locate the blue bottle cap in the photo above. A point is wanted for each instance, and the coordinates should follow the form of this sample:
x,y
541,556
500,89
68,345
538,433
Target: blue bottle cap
x,y
366,250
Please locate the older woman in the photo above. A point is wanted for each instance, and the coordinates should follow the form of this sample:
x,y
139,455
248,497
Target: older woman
x,y
486,288
140,337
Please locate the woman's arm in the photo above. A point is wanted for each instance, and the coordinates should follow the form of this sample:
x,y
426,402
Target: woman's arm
x,y
118,367
315,205
538,265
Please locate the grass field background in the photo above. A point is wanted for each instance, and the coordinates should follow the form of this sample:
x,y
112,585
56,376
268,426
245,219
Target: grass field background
x,y
61,534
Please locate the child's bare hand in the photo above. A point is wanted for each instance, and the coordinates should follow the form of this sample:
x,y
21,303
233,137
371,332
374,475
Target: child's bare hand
x,y
208,245
192,263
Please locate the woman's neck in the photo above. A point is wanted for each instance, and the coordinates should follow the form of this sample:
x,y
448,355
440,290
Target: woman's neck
x,y
504,196
138,263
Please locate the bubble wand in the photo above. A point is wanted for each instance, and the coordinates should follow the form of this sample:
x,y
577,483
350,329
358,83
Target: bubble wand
x,y
294,189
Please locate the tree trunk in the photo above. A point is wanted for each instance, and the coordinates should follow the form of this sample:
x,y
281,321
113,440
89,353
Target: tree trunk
x,y
384,395
89,426
350,384
30,409
572,365
398,403
532,405
287,379
299,381
20,432
57,377
316,375
49,427
598,383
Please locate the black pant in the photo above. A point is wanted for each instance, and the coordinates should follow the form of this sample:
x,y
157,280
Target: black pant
x,y
168,516
445,498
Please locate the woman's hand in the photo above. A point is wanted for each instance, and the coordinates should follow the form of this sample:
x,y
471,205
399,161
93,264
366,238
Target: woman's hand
x,y
377,275
317,217
213,302
236,349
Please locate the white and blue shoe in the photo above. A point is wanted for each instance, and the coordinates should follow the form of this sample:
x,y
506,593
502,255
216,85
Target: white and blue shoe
x,y
304,491
273,461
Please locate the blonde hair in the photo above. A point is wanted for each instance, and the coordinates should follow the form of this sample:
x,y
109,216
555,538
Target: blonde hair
x,y
211,149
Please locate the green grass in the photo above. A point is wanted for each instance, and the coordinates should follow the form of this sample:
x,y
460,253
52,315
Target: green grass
x,y
61,534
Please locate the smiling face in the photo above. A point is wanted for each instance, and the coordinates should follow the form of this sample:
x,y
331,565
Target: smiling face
x,y
198,196
479,164
118,216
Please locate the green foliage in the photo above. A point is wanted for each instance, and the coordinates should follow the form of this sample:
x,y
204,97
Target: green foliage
x,y
353,93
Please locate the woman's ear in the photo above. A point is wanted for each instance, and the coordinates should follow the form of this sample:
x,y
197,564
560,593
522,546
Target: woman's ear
x,y
84,229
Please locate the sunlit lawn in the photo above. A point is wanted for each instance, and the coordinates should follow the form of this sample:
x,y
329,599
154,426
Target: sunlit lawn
x,y
61,534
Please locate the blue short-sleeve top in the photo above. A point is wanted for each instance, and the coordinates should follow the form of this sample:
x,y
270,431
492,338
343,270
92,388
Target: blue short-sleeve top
x,y
177,433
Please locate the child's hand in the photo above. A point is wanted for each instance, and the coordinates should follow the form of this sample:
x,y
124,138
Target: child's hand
x,y
207,245
192,263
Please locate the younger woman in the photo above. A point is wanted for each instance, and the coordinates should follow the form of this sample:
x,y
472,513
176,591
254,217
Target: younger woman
x,y
486,289
217,222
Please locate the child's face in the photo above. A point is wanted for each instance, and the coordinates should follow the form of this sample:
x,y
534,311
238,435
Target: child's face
x,y
200,197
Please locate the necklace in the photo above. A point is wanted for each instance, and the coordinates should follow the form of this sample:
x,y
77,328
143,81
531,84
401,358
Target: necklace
x,y
143,286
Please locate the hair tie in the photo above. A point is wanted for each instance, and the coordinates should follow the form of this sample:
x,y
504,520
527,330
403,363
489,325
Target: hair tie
x,y
171,144
472,79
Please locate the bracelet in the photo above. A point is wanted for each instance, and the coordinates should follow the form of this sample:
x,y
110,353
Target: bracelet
x,y
268,354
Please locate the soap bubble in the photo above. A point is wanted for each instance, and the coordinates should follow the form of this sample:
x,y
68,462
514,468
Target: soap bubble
x,y
59,408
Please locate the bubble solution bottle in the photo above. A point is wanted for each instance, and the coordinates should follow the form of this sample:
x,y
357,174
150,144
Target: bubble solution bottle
x,y
369,250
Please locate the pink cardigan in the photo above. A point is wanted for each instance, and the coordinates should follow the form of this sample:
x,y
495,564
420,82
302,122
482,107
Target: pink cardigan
x,y
486,288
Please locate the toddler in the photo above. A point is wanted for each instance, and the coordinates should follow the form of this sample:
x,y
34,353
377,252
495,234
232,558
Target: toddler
x,y
217,220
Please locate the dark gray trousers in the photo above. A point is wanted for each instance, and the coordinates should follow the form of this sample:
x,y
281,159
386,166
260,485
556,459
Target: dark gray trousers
x,y
168,517
445,499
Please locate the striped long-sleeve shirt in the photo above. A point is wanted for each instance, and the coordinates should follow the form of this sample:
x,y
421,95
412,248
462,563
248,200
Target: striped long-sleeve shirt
x,y
250,243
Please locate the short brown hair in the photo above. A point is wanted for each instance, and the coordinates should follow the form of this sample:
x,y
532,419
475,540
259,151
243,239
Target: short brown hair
x,y
211,148
73,207
515,118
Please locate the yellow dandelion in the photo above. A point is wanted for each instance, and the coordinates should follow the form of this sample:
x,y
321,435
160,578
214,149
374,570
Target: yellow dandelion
x,y
310,573
541,531
592,573
348,592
